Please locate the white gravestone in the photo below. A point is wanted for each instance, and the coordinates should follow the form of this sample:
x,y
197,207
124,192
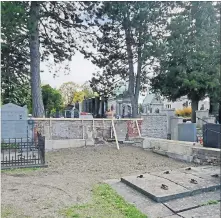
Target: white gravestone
x,y
14,123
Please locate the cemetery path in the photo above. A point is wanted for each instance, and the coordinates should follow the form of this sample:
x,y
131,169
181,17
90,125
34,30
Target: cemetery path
x,y
70,176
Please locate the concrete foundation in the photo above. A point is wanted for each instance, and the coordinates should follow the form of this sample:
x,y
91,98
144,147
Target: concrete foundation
x,y
184,151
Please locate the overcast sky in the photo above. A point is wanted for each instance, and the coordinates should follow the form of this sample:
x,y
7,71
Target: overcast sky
x,y
80,71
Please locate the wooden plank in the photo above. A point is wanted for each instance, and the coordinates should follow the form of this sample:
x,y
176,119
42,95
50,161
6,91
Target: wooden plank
x,y
82,128
80,119
138,128
115,134
50,129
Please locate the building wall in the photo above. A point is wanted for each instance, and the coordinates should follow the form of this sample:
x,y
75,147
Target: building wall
x,y
179,104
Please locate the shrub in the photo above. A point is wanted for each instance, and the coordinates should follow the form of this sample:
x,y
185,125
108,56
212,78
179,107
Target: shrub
x,y
187,111
184,112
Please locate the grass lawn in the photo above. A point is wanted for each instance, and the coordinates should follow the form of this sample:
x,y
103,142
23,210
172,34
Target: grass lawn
x,y
106,203
10,212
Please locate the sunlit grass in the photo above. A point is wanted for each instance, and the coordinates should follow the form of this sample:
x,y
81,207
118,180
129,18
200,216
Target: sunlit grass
x,y
106,203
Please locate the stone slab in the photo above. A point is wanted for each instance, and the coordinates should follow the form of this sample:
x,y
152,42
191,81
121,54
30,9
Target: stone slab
x,y
147,206
183,179
173,216
212,211
179,205
206,173
178,183
150,186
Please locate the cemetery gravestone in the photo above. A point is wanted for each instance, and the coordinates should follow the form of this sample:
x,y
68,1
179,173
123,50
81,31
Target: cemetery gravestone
x,y
187,132
14,124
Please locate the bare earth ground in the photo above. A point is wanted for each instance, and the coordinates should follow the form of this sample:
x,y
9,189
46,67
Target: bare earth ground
x,y
70,176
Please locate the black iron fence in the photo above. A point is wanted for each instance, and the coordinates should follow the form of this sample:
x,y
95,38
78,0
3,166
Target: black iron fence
x,y
23,153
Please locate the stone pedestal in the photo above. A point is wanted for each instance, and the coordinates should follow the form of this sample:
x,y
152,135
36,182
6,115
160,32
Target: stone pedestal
x,y
80,107
210,119
174,121
170,113
157,107
200,116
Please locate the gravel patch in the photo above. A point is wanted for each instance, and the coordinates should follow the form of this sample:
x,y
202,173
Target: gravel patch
x,y
71,174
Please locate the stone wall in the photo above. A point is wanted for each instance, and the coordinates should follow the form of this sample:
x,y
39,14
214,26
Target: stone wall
x,y
96,129
185,151
154,126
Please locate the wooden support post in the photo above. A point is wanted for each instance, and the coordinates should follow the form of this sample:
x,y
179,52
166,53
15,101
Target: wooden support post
x,y
111,133
138,128
82,128
115,134
50,129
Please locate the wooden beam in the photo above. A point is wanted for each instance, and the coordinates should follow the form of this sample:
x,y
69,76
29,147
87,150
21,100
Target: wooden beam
x,y
82,128
115,134
77,119
138,128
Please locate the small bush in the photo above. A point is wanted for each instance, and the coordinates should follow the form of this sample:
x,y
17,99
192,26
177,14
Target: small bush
x,y
185,112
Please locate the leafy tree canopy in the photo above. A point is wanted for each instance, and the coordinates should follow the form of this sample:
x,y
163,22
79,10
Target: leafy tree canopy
x,y
126,45
189,63
52,99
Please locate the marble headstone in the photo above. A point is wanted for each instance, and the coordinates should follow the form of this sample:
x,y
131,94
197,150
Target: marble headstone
x,y
14,122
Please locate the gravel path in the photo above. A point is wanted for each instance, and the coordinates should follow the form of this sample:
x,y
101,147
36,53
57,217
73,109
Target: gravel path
x,y
71,175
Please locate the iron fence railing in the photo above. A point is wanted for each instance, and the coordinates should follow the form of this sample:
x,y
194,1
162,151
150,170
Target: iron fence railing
x,y
22,153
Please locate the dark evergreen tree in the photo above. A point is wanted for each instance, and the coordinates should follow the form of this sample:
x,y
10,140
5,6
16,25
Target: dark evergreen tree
x,y
189,64
126,43
49,29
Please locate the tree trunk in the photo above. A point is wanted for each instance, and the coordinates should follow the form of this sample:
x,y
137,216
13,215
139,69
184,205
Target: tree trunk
x,y
134,104
214,107
137,86
37,102
194,105
131,90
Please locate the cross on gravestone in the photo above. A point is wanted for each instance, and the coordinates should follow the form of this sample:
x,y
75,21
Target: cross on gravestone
x,y
14,122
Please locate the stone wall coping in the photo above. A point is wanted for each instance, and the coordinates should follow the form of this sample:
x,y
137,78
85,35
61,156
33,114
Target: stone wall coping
x,y
80,119
209,149
183,143
154,114
192,144
202,111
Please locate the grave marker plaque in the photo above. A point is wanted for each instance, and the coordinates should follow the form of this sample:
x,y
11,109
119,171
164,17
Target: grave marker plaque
x,y
14,122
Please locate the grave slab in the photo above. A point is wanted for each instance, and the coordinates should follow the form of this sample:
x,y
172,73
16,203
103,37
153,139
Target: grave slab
x,y
183,179
178,182
179,205
147,206
150,186
212,211
173,216
205,173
